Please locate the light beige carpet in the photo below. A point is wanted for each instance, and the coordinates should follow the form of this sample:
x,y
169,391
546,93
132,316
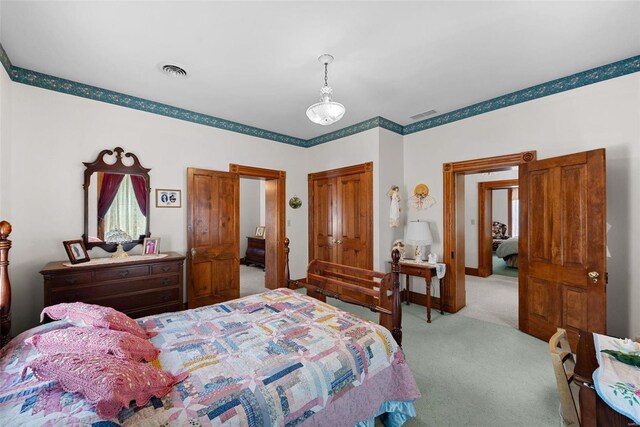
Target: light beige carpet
x,y
251,280
492,299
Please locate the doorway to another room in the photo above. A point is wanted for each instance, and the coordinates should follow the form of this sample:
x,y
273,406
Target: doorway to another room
x,y
252,236
262,228
491,217
562,245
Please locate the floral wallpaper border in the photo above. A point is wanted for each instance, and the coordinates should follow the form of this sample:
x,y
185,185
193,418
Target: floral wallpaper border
x,y
595,75
4,59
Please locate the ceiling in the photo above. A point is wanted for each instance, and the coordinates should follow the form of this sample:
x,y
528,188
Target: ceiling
x,y
256,62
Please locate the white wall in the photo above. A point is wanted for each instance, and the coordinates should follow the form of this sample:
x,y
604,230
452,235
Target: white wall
x,y
500,207
471,211
606,115
251,205
390,173
53,133
6,87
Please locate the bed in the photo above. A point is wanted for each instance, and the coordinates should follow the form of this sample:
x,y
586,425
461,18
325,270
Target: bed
x,y
279,358
508,251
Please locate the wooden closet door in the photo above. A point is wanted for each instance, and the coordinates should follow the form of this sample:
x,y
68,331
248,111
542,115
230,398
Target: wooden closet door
x,y
213,267
355,205
324,223
341,216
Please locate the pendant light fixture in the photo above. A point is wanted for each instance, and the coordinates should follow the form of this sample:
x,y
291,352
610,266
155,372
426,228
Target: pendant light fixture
x,y
326,111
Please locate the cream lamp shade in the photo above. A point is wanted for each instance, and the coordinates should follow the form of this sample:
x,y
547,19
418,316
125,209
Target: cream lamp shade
x,y
418,234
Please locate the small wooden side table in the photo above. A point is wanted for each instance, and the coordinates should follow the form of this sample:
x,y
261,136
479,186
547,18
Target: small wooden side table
x,y
593,410
422,270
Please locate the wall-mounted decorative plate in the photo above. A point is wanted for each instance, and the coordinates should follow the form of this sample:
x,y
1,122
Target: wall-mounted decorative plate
x,y
295,202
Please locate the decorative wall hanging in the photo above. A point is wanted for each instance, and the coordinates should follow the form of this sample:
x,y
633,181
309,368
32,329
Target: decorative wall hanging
x,y
421,198
394,210
168,198
295,202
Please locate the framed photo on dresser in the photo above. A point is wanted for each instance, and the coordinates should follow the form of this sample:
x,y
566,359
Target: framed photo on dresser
x,y
151,246
76,251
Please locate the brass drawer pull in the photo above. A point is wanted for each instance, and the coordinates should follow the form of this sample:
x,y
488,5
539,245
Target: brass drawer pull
x,y
165,281
166,268
71,280
123,274
166,296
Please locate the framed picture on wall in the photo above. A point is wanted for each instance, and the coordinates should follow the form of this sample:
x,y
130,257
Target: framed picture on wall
x,y
260,231
76,251
168,198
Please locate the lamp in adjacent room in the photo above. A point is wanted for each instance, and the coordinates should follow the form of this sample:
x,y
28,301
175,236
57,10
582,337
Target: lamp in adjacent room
x,y
326,111
418,234
118,236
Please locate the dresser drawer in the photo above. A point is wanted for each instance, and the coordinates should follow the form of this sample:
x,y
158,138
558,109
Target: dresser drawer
x,y
91,292
70,279
121,273
156,309
165,268
141,300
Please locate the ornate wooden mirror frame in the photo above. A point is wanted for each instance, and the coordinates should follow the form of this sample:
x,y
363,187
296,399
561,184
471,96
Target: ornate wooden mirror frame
x,y
118,167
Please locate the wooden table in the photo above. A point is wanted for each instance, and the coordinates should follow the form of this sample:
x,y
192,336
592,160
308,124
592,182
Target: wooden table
x,y
422,270
593,410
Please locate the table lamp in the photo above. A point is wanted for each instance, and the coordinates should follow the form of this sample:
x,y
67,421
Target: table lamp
x,y
418,234
118,236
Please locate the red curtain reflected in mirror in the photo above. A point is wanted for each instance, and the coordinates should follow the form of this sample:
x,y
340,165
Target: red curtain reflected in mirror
x,y
108,190
140,190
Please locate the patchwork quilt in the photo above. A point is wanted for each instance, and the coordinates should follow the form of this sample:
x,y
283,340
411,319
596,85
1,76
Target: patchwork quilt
x,y
274,359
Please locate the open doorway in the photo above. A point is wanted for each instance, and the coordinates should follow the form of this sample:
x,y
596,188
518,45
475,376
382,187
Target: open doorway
x,y
454,217
498,212
266,194
252,236
491,285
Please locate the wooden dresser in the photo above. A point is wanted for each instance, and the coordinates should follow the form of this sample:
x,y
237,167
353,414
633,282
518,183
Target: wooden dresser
x,y
137,288
255,251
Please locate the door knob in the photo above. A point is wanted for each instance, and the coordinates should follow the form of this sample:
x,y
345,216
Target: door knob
x,y
593,275
339,242
334,241
193,252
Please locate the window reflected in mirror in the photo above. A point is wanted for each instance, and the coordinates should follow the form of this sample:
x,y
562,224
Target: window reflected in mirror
x,y
117,207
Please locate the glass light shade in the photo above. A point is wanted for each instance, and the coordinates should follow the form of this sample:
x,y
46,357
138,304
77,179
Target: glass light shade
x,y
325,112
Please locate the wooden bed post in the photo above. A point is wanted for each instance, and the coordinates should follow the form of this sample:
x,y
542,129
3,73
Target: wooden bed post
x,y
287,274
5,284
397,304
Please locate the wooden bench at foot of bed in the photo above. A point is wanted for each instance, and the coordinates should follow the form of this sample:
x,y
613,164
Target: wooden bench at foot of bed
x,y
379,292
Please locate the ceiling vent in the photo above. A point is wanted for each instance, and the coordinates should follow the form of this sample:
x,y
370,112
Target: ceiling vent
x,y
174,71
423,115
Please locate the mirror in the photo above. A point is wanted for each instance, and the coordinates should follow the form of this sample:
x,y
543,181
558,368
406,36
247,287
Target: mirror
x,y
116,201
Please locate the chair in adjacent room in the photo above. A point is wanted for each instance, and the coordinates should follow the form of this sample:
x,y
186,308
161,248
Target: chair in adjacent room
x,y
564,362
